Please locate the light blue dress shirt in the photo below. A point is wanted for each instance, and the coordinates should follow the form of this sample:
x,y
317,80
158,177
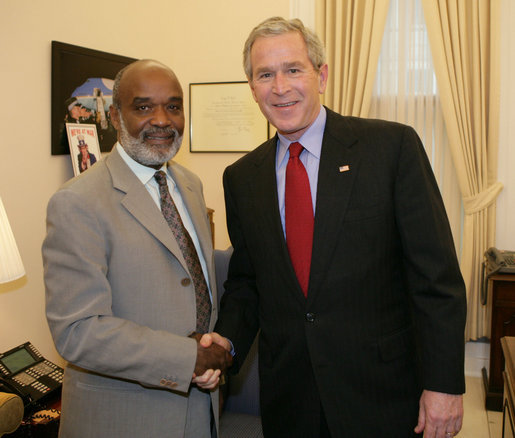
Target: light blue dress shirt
x,y
310,157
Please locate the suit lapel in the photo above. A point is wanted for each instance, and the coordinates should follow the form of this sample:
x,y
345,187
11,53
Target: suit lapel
x,y
265,192
339,165
140,204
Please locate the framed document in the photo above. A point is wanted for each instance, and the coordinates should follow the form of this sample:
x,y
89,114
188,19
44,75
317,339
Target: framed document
x,y
225,118
84,146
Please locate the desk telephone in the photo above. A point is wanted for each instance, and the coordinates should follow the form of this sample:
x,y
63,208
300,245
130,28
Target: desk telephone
x,y
497,261
25,372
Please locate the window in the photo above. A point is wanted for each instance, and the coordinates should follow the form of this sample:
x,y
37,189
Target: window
x,y
406,91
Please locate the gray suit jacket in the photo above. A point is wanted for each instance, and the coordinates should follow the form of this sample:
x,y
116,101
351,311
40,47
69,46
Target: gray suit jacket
x,y
118,310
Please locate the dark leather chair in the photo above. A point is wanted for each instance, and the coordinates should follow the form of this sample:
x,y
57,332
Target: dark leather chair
x,y
241,417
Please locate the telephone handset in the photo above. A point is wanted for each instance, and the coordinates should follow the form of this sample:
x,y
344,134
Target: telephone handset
x,y
25,372
497,261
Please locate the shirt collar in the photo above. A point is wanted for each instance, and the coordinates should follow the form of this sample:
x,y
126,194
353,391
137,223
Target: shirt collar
x,y
144,173
311,139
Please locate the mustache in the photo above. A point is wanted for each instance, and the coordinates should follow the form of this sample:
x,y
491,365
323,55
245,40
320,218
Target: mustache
x,y
168,131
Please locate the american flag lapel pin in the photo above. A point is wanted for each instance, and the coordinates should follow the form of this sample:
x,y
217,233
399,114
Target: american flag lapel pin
x,y
344,168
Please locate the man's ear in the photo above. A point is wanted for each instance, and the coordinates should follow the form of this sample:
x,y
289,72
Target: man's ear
x,y
115,117
323,75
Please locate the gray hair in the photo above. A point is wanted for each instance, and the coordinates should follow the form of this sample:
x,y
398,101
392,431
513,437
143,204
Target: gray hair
x,y
277,26
116,88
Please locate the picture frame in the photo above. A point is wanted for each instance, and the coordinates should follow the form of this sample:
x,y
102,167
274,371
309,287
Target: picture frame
x,y
225,118
82,81
84,146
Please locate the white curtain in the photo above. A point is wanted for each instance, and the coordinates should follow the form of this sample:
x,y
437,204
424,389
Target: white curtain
x,y
405,91
303,10
465,40
351,31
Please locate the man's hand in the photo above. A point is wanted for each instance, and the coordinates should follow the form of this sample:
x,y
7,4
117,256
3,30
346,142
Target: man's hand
x,y
210,356
211,378
215,338
440,415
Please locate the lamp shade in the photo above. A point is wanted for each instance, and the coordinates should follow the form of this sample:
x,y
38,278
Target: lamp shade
x,y
11,266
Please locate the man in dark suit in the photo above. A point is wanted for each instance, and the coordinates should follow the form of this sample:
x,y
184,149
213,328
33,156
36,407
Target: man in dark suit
x,y
362,313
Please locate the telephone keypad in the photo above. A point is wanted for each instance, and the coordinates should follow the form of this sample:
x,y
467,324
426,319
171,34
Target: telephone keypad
x,y
30,377
57,376
41,387
46,368
24,379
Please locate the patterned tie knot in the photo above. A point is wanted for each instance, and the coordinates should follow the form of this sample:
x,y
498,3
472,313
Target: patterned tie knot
x,y
295,149
160,177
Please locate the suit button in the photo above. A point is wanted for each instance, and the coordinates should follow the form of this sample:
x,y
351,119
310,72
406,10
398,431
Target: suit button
x,y
185,281
310,317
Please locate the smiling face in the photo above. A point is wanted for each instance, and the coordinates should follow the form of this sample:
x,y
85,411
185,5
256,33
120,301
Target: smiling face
x,y
75,112
150,120
285,84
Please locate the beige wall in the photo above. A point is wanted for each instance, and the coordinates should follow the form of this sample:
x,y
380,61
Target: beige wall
x,y
200,39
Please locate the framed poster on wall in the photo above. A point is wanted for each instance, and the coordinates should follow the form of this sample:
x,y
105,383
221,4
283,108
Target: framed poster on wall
x,y
84,147
82,87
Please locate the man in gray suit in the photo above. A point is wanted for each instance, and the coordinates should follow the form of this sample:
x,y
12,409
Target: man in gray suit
x,y
121,295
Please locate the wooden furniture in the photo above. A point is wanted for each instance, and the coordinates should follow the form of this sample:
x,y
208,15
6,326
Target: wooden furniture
x,y
501,311
508,417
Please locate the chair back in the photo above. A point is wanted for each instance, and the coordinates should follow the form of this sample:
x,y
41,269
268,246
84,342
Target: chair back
x,y
243,393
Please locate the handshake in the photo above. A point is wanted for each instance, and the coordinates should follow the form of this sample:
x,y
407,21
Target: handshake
x,y
213,359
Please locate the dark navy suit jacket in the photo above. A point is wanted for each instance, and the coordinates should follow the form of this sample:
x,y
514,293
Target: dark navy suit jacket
x,y
385,313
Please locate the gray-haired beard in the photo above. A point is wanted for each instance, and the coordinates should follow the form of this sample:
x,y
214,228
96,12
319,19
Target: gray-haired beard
x,y
147,155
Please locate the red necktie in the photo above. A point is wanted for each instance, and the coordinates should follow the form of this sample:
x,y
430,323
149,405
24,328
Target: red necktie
x,y
299,220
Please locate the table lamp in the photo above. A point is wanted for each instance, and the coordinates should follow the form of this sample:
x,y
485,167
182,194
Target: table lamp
x,y
11,266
